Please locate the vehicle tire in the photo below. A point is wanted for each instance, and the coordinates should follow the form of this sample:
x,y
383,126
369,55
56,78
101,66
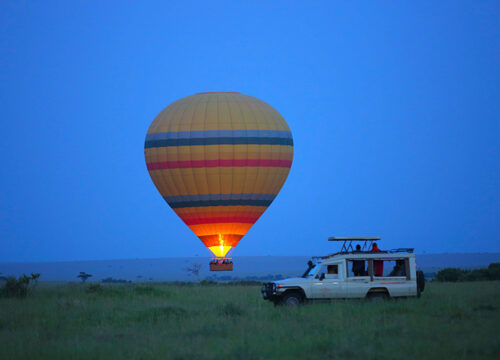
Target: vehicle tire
x,y
292,299
377,295
420,282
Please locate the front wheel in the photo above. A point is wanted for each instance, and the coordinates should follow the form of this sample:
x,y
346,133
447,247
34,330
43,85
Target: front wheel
x,y
292,299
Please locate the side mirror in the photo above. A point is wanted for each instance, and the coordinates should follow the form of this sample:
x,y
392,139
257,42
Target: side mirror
x,y
322,277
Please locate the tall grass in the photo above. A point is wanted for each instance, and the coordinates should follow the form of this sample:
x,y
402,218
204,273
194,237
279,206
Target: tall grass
x,y
163,321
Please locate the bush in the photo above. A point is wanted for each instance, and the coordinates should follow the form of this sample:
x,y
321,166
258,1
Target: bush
x,y
494,271
477,275
103,290
454,274
450,274
20,287
14,287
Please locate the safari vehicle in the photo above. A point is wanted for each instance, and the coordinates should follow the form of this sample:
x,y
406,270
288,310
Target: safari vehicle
x,y
351,274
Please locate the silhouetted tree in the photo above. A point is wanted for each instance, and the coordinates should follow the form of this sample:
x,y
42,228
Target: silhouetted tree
x,y
83,276
195,270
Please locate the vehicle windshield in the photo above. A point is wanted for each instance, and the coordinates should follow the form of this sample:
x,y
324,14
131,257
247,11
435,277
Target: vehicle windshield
x,y
312,271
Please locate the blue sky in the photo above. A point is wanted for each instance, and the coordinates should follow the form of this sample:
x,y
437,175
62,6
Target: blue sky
x,y
394,109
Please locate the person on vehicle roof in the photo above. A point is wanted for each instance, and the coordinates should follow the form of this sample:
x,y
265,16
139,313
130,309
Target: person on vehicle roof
x,y
378,265
358,266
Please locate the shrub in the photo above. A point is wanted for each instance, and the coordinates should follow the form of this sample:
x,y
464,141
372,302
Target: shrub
x,y
454,274
477,275
20,287
494,271
450,274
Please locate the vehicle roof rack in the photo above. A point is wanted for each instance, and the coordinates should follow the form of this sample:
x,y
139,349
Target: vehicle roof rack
x,y
400,250
347,245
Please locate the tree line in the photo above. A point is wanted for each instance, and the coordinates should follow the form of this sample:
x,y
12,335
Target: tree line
x,y
492,272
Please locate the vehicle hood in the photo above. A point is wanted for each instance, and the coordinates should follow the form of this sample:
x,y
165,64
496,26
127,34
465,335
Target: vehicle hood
x,y
290,281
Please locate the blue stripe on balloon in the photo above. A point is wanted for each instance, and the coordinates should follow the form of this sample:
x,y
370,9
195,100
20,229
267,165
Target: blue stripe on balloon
x,y
219,141
220,203
218,134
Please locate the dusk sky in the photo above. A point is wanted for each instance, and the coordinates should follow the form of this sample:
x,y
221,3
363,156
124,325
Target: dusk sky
x,y
394,109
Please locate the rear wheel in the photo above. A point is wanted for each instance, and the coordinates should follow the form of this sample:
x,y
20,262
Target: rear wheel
x,y
292,299
377,296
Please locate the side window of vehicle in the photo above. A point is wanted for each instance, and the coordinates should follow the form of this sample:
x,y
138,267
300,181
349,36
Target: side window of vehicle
x,y
389,268
321,272
357,268
332,271
395,268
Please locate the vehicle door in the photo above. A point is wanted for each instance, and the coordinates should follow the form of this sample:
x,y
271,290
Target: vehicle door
x,y
358,282
329,282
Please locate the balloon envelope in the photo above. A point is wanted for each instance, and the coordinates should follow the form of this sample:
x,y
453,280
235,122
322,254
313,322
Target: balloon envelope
x,y
219,160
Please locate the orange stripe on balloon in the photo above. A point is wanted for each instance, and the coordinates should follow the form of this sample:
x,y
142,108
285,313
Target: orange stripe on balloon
x,y
220,228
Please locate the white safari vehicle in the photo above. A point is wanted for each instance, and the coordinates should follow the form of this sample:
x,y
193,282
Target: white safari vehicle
x,y
352,273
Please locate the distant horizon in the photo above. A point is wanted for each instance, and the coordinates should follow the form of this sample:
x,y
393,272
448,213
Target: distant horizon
x,y
245,267
234,257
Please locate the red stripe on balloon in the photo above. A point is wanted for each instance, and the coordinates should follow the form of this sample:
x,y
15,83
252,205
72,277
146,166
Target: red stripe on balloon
x,y
219,220
220,214
161,165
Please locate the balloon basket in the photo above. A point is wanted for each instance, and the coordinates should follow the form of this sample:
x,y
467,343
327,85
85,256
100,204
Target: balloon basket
x,y
221,264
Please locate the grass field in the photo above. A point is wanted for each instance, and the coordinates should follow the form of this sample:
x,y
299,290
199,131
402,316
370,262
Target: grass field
x,y
165,321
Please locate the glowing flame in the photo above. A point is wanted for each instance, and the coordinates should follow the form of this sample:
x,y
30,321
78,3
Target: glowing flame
x,y
220,250
221,243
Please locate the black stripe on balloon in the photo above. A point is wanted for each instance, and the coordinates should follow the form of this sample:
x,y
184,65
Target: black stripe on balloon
x,y
184,204
219,141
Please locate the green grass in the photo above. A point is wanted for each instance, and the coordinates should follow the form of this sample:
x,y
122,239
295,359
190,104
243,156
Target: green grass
x,y
165,321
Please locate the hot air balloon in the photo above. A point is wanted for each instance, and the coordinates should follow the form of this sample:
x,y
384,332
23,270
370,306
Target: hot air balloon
x,y
219,159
